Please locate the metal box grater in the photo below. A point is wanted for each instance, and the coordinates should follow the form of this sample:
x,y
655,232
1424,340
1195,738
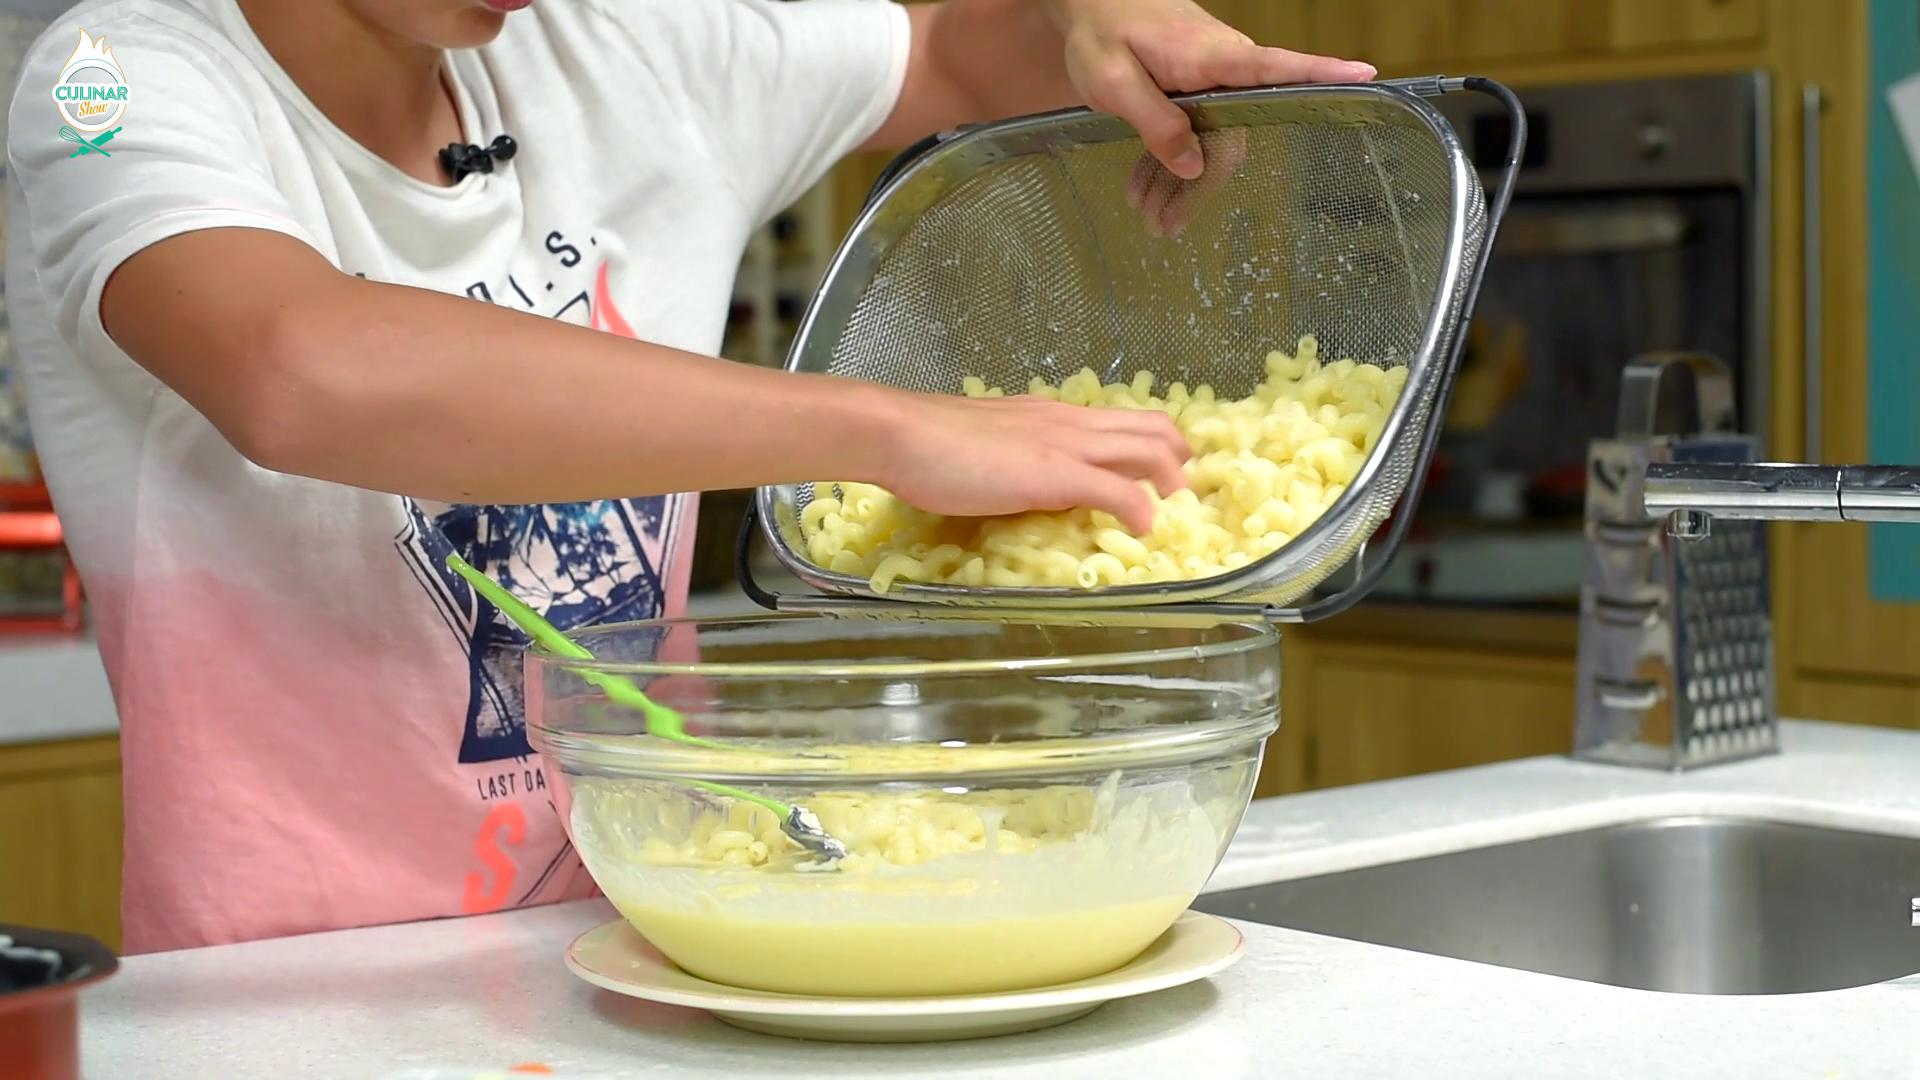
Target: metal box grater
x,y
1676,637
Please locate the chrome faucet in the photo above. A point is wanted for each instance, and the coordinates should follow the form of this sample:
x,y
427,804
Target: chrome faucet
x,y
1692,494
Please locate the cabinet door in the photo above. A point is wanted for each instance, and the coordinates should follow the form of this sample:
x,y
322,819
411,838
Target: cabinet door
x,y
1403,36
1354,713
1852,604
1399,36
1637,25
1269,22
60,837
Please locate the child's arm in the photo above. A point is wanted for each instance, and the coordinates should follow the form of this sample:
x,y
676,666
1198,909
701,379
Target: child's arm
x,y
310,371
984,59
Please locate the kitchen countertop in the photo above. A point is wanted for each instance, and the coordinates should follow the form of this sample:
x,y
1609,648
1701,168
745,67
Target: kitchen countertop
x,y
54,688
491,991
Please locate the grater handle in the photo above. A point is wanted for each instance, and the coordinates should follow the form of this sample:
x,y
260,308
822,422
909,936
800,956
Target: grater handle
x,y
1654,402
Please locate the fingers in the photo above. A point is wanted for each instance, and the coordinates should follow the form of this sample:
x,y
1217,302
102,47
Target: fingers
x,y
1096,457
1153,201
1152,189
1145,173
1234,63
1124,89
1176,211
1100,489
1137,457
1070,421
1226,152
1110,451
1166,203
1151,424
1286,66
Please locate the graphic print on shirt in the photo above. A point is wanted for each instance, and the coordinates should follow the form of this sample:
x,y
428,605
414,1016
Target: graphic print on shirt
x,y
576,306
577,564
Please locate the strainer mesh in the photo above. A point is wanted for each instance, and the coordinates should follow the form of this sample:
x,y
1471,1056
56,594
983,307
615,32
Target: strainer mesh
x,y
1352,217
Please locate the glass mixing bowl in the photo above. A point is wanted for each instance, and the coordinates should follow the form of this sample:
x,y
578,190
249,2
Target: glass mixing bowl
x,y
1025,803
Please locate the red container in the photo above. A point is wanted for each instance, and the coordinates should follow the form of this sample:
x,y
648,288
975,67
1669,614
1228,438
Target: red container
x,y
29,525
41,975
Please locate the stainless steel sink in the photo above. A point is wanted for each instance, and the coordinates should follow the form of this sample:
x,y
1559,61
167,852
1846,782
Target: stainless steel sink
x,y
1700,905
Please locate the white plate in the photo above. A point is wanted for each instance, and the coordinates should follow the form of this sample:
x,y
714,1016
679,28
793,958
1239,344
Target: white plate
x,y
615,957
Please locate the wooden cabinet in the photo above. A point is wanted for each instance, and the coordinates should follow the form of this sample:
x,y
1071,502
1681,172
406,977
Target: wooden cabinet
x,y
1681,24
1374,712
1853,658
60,836
1394,692
1403,36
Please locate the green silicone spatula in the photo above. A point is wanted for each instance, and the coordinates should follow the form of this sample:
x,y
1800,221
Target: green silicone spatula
x,y
799,823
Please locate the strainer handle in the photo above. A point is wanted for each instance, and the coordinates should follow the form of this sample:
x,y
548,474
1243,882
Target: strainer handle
x,y
743,561
768,600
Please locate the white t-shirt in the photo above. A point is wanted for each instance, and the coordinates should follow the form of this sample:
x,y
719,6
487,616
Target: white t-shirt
x,y
321,726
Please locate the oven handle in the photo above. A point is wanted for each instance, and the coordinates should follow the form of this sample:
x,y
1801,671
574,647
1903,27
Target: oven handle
x,y
1593,232
1812,105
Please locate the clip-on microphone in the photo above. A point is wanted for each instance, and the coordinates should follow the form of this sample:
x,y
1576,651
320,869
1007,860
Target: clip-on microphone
x,y
459,159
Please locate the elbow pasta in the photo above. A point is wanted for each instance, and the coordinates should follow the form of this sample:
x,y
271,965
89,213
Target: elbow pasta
x,y
901,830
1263,469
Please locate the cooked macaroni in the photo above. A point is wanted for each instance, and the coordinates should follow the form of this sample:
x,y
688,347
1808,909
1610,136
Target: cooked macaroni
x,y
1263,468
900,830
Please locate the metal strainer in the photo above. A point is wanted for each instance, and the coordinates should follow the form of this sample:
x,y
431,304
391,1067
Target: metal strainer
x,y
1009,251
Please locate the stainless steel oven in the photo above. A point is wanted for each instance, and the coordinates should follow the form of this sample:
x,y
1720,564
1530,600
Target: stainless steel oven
x,y
1640,223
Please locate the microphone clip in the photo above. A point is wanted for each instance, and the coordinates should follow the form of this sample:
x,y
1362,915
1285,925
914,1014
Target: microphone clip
x,y
459,159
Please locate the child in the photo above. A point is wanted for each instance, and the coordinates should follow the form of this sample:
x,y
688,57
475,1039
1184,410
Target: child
x,y
242,279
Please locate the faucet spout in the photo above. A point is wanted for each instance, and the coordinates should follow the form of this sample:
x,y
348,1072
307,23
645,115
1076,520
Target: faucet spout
x,y
1778,492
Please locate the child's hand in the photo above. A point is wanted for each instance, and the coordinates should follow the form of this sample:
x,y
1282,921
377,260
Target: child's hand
x,y
1126,56
1167,203
979,456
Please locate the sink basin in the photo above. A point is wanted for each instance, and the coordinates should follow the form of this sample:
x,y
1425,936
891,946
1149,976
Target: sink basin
x,y
1699,905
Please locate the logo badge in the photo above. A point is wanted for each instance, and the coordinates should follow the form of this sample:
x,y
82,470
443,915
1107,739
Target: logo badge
x,y
91,96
